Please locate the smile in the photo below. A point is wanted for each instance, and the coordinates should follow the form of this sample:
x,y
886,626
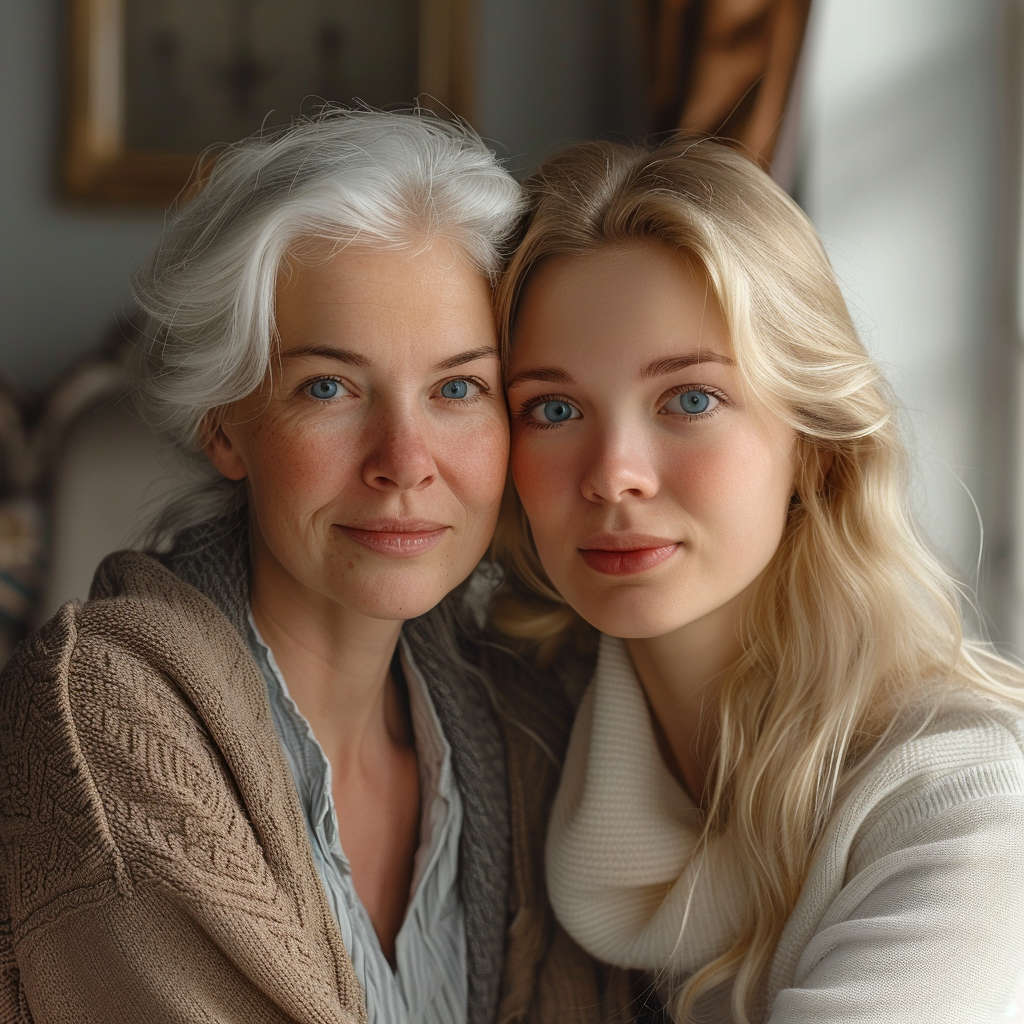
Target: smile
x,y
627,562
397,538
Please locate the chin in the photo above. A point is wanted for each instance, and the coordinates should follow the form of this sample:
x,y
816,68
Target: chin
x,y
389,607
394,596
629,613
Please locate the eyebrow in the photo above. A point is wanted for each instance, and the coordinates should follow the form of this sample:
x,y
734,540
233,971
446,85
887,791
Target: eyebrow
x,y
546,374
470,356
343,355
658,368
662,366
356,359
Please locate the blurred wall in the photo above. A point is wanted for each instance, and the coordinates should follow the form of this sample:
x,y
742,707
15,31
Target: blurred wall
x,y
908,171
63,269
548,74
552,72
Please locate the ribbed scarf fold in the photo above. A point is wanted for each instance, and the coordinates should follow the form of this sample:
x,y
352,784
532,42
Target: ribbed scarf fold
x,y
625,875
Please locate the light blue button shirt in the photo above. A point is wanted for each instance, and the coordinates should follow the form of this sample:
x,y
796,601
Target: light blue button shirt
x,y
428,984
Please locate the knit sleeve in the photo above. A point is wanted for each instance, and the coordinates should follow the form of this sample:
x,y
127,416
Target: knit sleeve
x,y
13,1009
55,856
929,923
135,880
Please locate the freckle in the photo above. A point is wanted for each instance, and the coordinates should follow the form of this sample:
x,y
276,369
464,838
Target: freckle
x,y
351,565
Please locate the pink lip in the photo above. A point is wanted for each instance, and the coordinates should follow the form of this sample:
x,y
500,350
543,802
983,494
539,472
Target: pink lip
x,y
626,554
399,538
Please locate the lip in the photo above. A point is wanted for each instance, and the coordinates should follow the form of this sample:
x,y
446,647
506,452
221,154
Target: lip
x,y
397,538
626,554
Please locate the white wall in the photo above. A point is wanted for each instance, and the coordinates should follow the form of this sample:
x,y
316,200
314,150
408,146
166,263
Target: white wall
x,y
902,176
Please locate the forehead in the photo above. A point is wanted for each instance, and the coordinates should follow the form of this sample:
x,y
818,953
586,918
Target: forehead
x,y
365,297
630,302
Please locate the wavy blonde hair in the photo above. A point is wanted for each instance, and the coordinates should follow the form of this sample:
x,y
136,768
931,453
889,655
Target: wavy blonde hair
x,y
854,630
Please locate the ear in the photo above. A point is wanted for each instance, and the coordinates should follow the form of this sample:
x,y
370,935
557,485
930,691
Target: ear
x,y
221,449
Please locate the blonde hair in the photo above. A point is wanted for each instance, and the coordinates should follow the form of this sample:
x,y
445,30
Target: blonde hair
x,y
855,629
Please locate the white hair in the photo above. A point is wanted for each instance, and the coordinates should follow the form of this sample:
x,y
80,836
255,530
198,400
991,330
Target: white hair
x,y
395,181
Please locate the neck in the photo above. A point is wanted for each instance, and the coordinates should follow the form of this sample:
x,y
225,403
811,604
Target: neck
x,y
336,662
681,673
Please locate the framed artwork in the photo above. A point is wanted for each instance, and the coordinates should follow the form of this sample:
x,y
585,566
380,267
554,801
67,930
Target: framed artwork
x,y
153,83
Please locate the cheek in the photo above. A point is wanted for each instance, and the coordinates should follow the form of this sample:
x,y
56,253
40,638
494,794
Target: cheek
x,y
546,480
740,488
297,468
475,464
540,476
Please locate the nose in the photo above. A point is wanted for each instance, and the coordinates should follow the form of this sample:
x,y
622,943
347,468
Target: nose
x,y
398,452
620,467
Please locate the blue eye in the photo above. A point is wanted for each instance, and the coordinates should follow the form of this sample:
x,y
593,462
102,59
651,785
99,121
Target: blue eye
x,y
691,403
456,389
555,411
324,389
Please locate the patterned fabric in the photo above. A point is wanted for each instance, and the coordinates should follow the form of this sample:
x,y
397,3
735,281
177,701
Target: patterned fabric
x,y
154,864
428,985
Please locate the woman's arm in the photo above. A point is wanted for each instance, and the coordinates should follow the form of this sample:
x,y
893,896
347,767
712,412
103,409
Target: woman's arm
x,y
146,880
929,923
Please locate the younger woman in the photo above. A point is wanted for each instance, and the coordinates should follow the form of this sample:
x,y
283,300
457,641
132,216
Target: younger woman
x,y
794,791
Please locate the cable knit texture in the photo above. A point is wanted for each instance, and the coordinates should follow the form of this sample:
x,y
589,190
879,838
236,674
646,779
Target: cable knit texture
x,y
913,908
154,863
209,557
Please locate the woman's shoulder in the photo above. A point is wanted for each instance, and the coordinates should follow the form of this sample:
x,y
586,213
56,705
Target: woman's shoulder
x,y
966,731
146,654
42,660
929,834
127,647
962,767
93,720
144,783
136,608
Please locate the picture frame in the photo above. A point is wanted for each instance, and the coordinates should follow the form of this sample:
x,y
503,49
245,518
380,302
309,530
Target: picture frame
x,y
107,158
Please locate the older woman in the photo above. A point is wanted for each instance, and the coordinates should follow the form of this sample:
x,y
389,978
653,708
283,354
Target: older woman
x,y
239,783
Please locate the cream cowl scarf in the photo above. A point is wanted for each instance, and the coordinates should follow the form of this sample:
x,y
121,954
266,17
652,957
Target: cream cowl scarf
x,y
913,907
620,855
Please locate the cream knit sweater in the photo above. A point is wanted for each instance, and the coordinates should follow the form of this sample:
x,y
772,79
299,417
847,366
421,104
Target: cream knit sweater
x,y
913,909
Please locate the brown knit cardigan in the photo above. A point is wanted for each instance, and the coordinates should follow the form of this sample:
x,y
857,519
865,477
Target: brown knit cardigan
x,y
154,865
